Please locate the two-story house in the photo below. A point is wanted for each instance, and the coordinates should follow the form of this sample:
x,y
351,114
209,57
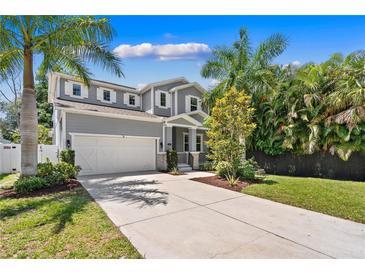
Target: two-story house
x,y
115,128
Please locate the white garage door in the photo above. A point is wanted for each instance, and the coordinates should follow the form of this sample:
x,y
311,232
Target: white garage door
x,y
101,155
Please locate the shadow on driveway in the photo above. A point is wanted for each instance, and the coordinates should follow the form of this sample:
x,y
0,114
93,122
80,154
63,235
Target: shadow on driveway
x,y
142,193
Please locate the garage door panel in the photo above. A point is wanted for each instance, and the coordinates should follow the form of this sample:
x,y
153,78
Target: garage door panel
x,y
98,155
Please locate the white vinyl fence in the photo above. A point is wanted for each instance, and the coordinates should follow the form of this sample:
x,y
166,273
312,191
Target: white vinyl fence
x,y
10,156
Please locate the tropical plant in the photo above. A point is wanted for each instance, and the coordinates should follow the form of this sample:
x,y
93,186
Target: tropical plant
x,y
66,41
43,136
242,67
318,107
230,122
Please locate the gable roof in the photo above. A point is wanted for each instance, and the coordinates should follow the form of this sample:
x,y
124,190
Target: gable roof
x,y
193,84
87,108
165,82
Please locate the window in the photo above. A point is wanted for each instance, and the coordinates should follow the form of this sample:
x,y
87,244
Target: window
x,y
106,95
163,99
132,100
76,90
193,103
186,142
199,145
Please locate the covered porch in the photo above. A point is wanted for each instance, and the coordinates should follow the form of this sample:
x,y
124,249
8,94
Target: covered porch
x,y
186,134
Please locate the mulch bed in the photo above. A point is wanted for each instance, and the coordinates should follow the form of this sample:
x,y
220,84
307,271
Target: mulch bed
x,y
223,183
11,193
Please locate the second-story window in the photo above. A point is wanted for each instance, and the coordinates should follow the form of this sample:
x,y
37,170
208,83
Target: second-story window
x,y
76,90
193,103
163,99
106,95
132,100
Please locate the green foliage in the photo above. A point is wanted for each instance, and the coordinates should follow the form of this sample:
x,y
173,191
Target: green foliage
x,y
29,184
171,158
247,169
45,169
68,156
45,109
229,124
243,67
56,174
223,168
43,136
207,166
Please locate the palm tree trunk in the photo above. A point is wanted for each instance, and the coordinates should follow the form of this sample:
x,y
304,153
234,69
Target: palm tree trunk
x,y
28,119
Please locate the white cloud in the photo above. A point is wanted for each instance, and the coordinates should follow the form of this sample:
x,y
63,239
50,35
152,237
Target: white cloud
x,y
214,82
141,86
295,64
169,35
165,52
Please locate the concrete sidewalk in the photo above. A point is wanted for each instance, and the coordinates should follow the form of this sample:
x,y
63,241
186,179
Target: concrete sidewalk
x,y
167,216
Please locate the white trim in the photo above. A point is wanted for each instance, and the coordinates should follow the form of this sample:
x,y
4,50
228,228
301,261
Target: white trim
x,y
158,94
97,83
58,86
200,112
184,116
83,88
152,100
111,135
194,84
111,115
184,134
176,106
64,135
198,107
163,137
201,144
165,82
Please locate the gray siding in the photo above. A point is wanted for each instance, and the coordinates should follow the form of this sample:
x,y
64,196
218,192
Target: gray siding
x,y
165,111
92,97
198,117
79,123
146,101
178,138
182,93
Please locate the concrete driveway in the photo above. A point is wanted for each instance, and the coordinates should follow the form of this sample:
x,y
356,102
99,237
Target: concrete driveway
x,y
167,216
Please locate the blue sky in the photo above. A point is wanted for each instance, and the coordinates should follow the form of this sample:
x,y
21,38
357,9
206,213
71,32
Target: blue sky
x,y
311,38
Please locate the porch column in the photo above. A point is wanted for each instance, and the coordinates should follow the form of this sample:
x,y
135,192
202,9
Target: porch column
x,y
192,139
192,149
168,138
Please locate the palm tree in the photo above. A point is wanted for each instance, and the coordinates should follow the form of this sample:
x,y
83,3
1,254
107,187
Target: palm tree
x,y
243,67
68,42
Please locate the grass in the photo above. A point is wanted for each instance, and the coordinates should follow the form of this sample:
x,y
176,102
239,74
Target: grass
x,y
66,224
7,180
344,199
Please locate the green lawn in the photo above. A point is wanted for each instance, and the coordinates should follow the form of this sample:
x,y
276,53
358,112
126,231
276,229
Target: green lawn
x,y
67,224
343,199
7,180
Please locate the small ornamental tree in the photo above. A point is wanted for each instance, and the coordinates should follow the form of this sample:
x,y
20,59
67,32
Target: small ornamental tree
x,y
229,124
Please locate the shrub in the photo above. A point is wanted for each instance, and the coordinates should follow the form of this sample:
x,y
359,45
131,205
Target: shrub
x,y
207,166
68,156
247,169
171,159
59,173
45,169
223,168
29,184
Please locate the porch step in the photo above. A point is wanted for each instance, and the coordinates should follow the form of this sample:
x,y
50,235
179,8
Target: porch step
x,y
184,167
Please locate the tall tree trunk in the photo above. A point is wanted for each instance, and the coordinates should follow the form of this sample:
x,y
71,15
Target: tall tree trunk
x,y
28,118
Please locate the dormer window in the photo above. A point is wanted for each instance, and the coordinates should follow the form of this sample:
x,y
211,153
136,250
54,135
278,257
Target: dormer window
x,y
106,95
132,100
193,103
76,90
